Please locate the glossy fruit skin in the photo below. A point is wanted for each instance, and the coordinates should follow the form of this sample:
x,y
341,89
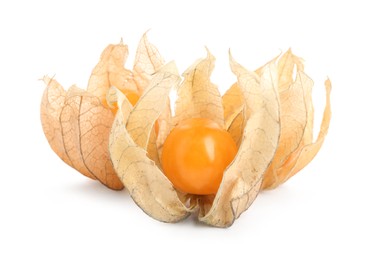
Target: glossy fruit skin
x,y
195,155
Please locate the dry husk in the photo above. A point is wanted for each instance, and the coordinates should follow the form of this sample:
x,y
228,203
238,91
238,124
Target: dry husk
x,y
77,122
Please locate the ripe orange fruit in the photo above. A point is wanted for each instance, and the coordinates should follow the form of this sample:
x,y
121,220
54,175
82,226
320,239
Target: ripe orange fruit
x,y
195,155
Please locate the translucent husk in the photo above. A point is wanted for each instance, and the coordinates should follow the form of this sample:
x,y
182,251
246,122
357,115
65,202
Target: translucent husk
x,y
296,146
77,122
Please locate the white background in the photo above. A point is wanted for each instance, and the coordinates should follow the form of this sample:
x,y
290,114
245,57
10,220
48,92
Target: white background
x,y
49,211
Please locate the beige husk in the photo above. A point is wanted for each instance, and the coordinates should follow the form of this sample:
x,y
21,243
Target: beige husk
x,y
77,122
147,185
197,95
296,148
77,126
242,179
147,61
233,103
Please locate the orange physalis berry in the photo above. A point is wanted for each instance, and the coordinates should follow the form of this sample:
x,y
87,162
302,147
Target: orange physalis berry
x,y
195,155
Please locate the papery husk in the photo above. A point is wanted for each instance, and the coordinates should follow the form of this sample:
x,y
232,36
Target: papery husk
x,y
147,185
148,60
233,104
77,122
81,126
236,128
198,97
82,119
147,110
286,65
306,152
293,123
242,179
52,103
297,116
309,151
156,95
110,71
86,124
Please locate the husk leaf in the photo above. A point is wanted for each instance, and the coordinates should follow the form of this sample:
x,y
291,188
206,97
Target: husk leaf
x,y
286,66
236,128
148,60
293,107
198,97
86,124
242,179
50,110
110,71
147,185
233,104
284,164
146,111
307,150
